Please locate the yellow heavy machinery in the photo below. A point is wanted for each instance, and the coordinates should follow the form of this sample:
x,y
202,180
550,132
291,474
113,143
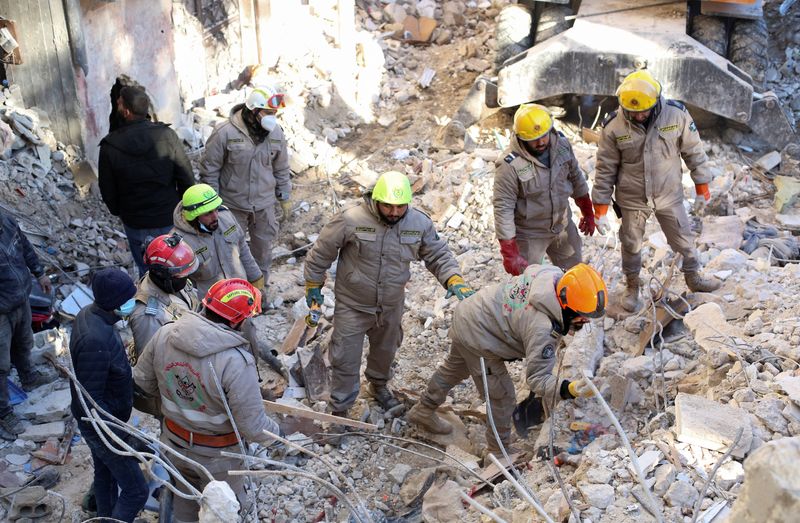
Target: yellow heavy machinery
x,y
710,55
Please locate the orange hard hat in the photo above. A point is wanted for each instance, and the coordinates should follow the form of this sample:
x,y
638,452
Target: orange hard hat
x,y
234,299
582,290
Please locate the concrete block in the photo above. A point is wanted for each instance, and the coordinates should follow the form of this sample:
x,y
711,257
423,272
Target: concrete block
x,y
706,323
42,432
45,406
771,490
711,424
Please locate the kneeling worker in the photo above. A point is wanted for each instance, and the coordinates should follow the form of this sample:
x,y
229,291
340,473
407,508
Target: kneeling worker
x,y
523,318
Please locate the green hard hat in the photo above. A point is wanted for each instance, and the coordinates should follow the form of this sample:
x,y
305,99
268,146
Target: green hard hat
x,y
392,188
199,199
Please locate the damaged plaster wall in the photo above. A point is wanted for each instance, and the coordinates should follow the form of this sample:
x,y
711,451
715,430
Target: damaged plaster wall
x,y
133,37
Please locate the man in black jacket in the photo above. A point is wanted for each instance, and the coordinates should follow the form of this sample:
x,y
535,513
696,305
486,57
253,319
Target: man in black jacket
x,y
18,261
143,171
101,366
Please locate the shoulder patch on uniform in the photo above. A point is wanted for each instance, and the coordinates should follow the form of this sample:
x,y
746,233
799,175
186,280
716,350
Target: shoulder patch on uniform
x,y
548,352
623,138
365,229
676,103
608,118
668,128
230,230
510,157
201,250
692,126
152,306
561,134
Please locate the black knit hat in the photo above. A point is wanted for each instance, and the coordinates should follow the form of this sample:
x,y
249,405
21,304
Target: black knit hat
x,y
112,288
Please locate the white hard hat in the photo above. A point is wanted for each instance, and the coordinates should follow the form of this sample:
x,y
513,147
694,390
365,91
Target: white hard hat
x,y
265,97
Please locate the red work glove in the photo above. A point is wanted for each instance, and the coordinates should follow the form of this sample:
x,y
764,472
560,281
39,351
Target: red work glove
x,y
701,189
513,262
586,225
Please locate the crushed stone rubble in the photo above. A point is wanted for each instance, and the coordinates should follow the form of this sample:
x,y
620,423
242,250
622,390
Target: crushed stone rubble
x,y
723,376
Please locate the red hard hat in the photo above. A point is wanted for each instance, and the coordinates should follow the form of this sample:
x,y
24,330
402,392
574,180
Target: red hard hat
x,y
170,256
234,299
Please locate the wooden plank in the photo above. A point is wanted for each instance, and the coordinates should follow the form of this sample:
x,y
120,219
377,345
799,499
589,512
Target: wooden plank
x,y
16,57
48,96
491,472
68,113
293,338
279,408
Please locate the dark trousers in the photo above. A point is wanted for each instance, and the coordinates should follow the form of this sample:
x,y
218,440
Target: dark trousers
x,y
136,242
119,485
16,342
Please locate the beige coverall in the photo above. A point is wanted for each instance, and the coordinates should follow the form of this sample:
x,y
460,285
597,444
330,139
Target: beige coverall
x,y
176,365
642,168
531,202
222,254
371,275
518,319
249,176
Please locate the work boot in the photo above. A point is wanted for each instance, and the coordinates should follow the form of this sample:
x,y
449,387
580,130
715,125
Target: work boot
x,y
698,283
630,298
428,419
33,380
383,396
11,424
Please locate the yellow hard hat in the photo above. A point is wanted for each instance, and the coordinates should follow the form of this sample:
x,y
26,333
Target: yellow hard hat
x,y
639,91
582,290
532,121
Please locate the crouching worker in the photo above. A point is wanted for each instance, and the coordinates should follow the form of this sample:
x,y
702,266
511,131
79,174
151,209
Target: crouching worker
x,y
177,364
101,366
523,318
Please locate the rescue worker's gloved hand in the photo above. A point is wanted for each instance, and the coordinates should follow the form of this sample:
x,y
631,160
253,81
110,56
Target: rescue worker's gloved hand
x,y
45,283
458,288
286,206
513,262
601,218
258,283
586,225
314,293
580,389
703,196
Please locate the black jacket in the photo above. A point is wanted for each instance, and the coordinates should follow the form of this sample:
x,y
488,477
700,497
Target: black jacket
x,y
143,172
17,261
100,363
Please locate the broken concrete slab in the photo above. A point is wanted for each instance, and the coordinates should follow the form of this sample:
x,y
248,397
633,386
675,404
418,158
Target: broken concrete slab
x,y
443,503
771,490
711,424
44,431
722,232
790,385
585,350
709,327
45,405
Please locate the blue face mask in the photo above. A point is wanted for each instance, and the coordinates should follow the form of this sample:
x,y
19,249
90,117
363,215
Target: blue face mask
x,y
126,308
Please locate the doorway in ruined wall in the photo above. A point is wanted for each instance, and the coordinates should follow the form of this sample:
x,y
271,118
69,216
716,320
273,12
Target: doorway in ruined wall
x,y
229,38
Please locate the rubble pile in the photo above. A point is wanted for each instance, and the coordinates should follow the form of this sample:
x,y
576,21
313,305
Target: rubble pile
x,y
44,186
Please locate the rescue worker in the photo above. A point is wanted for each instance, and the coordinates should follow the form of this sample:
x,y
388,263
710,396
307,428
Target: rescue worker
x,y
217,239
639,164
18,262
374,241
142,172
164,292
532,186
101,366
522,318
246,160
177,365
